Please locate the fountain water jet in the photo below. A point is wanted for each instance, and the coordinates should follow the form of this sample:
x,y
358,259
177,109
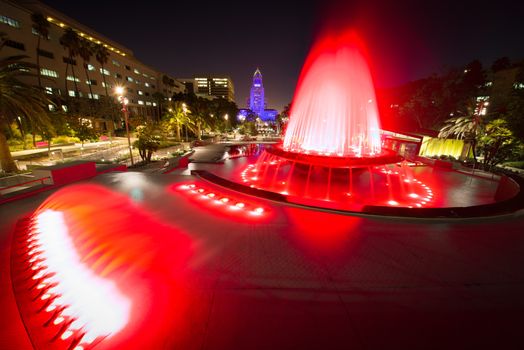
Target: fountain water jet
x,y
334,111
332,150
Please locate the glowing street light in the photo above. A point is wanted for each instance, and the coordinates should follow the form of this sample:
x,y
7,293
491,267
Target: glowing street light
x,y
185,110
226,118
119,91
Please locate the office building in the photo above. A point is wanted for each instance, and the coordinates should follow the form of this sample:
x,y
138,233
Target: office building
x,y
65,76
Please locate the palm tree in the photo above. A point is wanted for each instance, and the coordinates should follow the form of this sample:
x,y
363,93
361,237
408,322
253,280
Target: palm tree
x,y
102,57
177,116
70,42
86,52
466,127
41,25
19,100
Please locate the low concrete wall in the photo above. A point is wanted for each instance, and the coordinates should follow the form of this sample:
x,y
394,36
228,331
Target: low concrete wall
x,y
66,173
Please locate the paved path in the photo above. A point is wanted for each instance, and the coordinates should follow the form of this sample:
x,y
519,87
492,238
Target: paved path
x,y
70,148
299,279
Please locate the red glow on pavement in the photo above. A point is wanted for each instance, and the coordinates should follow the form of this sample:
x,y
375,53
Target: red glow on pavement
x,y
99,272
222,203
312,233
334,111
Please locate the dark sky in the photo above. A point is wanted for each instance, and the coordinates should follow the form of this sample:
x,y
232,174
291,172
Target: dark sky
x,y
406,39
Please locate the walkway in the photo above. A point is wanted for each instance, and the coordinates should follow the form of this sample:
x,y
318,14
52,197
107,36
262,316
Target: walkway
x,y
299,279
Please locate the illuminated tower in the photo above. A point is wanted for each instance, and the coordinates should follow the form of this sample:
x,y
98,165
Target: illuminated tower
x,y
256,98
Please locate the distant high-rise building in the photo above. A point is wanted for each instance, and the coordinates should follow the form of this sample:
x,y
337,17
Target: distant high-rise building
x,y
216,87
257,101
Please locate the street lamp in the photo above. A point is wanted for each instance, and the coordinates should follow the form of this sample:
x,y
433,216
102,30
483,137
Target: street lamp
x,y
119,90
226,118
185,110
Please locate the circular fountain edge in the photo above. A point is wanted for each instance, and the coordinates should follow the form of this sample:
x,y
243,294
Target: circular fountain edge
x,y
386,157
487,211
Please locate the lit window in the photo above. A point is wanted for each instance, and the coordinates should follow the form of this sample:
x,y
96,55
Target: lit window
x,y
71,93
136,71
129,79
148,103
116,63
48,90
140,92
107,85
9,21
93,96
91,82
48,72
64,108
137,82
90,67
518,86
147,85
104,71
145,75
51,107
154,104
140,102
71,78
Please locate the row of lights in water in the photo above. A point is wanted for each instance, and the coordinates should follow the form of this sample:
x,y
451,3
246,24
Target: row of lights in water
x,y
221,199
83,306
422,199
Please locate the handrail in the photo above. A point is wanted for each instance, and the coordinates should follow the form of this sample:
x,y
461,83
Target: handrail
x,y
42,179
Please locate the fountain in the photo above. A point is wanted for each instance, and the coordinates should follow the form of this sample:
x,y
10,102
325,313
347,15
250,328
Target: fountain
x,y
332,154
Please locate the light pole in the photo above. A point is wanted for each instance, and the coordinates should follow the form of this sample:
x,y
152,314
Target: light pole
x,y
119,90
184,109
226,118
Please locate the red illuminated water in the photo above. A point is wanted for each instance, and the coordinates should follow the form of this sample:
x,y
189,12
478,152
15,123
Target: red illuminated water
x,y
334,111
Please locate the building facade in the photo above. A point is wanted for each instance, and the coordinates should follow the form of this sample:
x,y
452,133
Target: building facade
x,y
64,76
214,87
257,102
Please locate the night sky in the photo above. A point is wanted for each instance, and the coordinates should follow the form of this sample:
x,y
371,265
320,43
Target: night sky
x,y
406,39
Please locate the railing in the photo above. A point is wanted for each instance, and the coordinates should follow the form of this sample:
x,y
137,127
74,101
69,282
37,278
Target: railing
x,y
41,180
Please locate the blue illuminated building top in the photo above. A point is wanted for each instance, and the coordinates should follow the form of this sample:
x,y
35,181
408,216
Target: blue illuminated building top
x,y
257,102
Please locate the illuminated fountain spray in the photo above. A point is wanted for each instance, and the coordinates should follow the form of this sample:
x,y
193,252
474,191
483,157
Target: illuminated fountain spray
x,y
332,153
334,111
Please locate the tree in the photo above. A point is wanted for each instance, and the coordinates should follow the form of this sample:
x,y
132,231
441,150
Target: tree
x,y
496,143
515,108
147,142
102,57
176,117
84,130
160,100
70,42
85,51
467,127
41,25
19,100
500,64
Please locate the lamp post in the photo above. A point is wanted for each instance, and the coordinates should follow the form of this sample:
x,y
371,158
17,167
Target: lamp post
x,y
184,109
226,118
124,101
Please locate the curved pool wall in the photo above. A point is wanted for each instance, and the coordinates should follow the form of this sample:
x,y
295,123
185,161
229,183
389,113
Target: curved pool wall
x,y
454,192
